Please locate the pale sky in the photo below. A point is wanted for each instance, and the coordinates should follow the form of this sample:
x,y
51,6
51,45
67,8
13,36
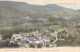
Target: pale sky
x,y
74,4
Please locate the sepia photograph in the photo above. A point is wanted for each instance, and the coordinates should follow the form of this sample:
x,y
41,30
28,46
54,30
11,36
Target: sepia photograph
x,y
39,25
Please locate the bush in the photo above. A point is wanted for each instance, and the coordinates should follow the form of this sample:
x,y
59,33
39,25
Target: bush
x,y
4,43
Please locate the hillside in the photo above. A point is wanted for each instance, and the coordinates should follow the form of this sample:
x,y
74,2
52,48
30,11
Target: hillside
x,y
11,12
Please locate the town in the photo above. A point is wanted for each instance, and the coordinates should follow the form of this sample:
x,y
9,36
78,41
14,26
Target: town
x,y
36,39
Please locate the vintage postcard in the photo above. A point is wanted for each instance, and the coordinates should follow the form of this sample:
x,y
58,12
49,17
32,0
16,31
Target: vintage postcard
x,y
39,25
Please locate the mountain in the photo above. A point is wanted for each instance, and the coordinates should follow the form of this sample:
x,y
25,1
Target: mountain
x,y
51,9
23,14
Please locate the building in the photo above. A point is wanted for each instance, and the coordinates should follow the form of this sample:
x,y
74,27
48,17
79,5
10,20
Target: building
x,y
0,37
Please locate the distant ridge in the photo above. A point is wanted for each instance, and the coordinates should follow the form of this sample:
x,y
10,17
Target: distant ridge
x,y
36,10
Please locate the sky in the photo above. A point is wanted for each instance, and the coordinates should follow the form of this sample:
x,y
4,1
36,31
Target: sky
x,y
74,4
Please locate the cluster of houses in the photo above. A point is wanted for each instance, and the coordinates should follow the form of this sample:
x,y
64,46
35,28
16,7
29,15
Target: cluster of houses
x,y
35,39
26,39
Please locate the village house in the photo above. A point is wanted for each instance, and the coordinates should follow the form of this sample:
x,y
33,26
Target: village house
x,y
0,37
